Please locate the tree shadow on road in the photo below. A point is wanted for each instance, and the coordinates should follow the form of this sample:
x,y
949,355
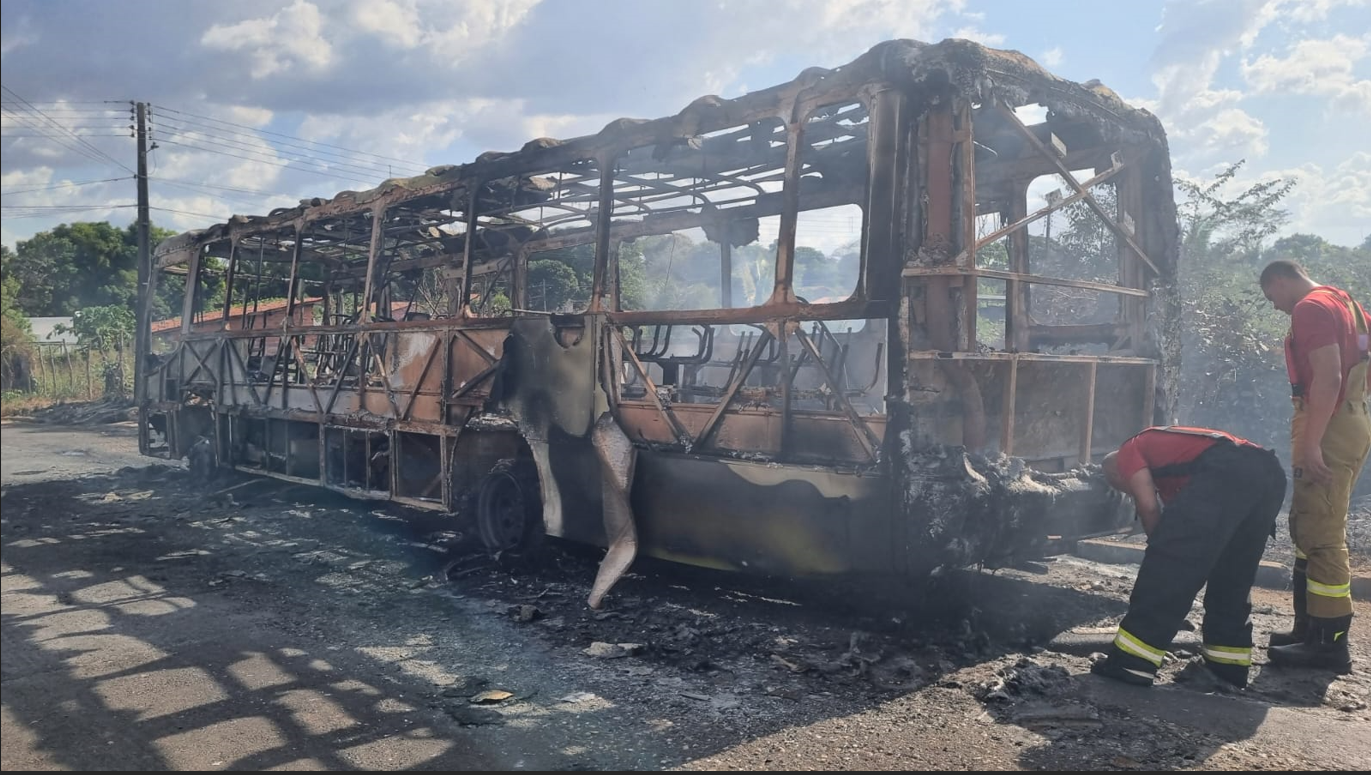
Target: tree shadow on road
x,y
153,623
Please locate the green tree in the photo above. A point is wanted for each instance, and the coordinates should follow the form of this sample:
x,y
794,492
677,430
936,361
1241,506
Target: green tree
x,y
79,265
553,285
1233,367
101,328
16,336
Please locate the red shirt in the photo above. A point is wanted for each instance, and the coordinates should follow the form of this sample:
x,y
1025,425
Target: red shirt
x,y
1321,318
1155,448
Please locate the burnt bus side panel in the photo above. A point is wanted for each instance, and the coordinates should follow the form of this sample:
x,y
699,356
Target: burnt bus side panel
x,y
762,518
547,383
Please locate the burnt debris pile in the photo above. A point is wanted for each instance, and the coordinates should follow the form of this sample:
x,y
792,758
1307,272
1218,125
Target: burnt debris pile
x,y
964,509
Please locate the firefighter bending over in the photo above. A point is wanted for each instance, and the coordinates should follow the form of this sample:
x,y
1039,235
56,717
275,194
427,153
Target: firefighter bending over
x,y
1326,354
1221,496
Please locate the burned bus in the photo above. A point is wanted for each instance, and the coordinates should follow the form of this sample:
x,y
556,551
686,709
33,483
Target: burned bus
x,y
883,318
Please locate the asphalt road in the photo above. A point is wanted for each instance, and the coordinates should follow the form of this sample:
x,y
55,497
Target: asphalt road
x,y
153,622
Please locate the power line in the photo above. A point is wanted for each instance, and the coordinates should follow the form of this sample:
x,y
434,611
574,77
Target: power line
x,y
223,188
335,176
56,186
62,207
66,102
292,137
58,140
198,127
188,212
251,142
35,134
249,199
202,137
111,159
50,211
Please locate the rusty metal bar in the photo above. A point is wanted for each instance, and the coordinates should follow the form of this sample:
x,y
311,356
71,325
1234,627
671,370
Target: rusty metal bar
x,y
738,379
602,231
1008,408
304,372
783,340
385,380
464,336
967,170
939,355
1089,427
1090,200
378,217
726,272
1016,318
1024,221
1033,279
200,363
865,435
936,249
470,384
197,260
677,430
219,375
769,205
423,374
342,374
247,378
294,280
413,325
1131,271
851,309
275,366
445,384
228,282
609,369
783,290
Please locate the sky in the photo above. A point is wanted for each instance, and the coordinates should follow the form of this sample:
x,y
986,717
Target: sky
x,y
257,104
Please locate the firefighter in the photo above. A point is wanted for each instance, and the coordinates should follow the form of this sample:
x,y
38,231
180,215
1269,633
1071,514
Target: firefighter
x,y
1208,500
1326,358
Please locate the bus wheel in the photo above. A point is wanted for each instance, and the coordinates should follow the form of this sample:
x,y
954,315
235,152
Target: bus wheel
x,y
509,509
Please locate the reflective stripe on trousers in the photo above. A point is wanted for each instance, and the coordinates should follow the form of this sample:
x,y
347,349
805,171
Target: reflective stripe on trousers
x,y
1318,512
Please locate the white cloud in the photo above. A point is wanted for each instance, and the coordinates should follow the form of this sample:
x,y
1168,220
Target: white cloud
x,y
18,34
1333,203
1196,38
1053,57
293,35
1336,203
1314,10
984,38
256,117
1315,67
412,133
450,32
393,21
16,179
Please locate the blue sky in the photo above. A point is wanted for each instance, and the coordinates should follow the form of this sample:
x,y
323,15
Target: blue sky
x,y
260,103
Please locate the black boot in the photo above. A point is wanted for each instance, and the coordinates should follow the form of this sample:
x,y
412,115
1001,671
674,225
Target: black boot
x,y
1125,667
1325,647
1232,674
1300,583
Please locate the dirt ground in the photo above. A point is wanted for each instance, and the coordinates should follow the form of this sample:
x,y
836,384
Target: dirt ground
x,y
152,621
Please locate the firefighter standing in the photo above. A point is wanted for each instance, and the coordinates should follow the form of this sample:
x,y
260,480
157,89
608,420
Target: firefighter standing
x,y
1221,495
1326,355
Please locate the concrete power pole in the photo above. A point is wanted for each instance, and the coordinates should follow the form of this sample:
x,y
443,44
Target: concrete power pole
x,y
144,258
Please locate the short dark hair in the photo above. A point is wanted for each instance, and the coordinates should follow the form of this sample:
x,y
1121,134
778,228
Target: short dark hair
x,y
1282,267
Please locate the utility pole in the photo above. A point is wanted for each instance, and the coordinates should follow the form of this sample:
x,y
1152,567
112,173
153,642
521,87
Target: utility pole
x,y
144,258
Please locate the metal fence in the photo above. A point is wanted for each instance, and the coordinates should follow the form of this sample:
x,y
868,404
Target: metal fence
x,y
60,371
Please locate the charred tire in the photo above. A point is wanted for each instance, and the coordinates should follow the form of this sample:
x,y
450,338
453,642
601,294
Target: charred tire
x,y
509,508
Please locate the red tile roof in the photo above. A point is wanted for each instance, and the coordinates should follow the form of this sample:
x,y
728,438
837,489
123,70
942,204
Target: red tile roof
x,y
171,324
